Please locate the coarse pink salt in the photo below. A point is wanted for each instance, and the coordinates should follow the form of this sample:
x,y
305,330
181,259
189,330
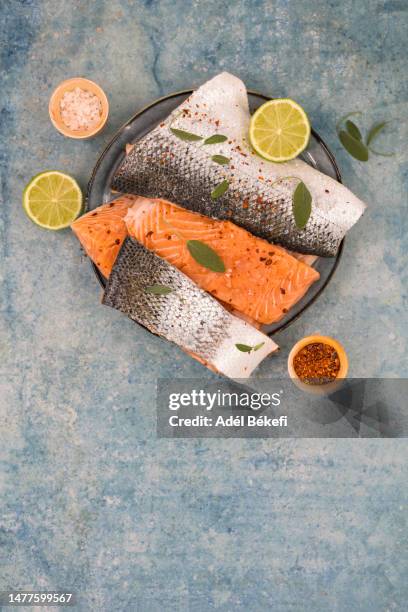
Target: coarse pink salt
x,y
80,109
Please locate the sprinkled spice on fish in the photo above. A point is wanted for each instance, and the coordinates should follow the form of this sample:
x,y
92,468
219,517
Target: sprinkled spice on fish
x,y
260,281
186,315
251,192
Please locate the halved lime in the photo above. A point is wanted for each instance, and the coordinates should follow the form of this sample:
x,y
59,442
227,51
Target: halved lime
x,y
52,200
279,130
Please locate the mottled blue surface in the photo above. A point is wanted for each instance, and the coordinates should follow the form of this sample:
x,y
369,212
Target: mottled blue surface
x,y
89,499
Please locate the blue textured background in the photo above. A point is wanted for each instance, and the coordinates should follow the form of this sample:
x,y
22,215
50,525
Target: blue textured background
x,y
89,499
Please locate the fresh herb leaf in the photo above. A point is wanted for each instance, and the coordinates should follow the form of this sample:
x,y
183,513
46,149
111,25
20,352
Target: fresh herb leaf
x,y
220,159
381,153
301,205
244,348
355,147
353,129
220,189
343,119
215,139
158,289
373,133
187,136
258,346
375,130
205,256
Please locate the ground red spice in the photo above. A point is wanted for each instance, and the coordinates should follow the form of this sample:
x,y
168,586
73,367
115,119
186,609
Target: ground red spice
x,y
317,364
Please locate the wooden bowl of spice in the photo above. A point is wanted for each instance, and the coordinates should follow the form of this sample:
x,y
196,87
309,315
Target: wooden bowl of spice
x,y
78,108
317,363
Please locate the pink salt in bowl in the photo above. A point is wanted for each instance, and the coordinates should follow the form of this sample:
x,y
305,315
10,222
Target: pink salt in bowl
x,y
56,111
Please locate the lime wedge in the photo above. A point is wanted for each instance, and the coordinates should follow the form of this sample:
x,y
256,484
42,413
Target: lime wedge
x,y
279,130
52,200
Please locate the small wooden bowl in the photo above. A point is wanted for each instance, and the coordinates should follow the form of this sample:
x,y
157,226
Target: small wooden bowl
x,y
325,388
55,111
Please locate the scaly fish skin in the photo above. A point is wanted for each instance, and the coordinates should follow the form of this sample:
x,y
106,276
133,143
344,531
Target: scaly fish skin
x,y
187,316
260,194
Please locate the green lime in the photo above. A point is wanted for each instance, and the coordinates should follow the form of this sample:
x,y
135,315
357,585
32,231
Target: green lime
x,y
52,200
279,130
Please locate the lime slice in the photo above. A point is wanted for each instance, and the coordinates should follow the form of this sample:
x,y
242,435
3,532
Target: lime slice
x,y
279,130
52,200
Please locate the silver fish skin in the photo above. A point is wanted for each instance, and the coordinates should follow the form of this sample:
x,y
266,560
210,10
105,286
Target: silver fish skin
x,y
260,193
188,316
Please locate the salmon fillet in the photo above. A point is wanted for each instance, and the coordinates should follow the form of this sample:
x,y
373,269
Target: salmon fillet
x,y
102,232
262,281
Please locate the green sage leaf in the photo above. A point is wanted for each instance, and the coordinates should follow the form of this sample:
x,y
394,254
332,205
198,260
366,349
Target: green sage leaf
x,y
244,348
353,129
355,147
373,133
220,159
258,346
220,190
301,205
375,130
187,136
158,289
205,256
382,154
215,139
343,119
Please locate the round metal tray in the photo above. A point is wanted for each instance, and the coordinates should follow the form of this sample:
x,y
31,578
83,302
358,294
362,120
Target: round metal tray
x,y
317,155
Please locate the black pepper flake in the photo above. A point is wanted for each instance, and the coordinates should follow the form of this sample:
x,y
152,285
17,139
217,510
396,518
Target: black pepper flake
x,y
282,291
117,241
268,262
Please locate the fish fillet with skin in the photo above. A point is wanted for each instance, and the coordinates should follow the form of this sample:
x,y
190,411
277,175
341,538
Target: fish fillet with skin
x,y
260,193
102,232
187,316
261,280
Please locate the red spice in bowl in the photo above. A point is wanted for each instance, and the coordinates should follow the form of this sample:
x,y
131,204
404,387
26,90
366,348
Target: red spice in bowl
x,y
317,363
321,364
